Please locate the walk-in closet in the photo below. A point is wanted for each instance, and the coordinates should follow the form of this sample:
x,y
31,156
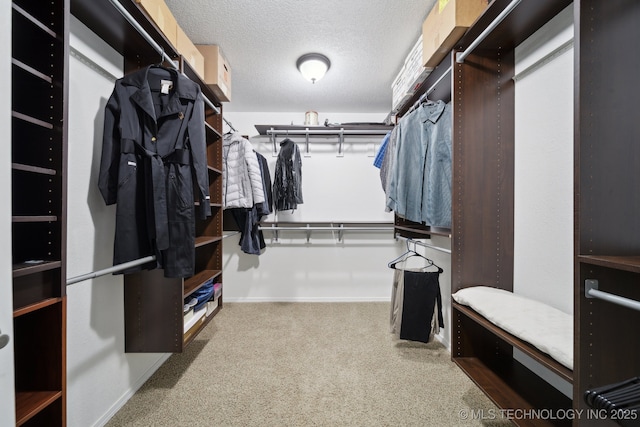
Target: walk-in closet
x,y
416,213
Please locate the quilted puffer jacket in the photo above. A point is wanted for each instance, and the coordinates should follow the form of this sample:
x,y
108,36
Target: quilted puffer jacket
x,y
241,177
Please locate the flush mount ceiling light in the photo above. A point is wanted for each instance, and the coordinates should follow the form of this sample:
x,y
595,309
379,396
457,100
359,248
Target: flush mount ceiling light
x,y
313,66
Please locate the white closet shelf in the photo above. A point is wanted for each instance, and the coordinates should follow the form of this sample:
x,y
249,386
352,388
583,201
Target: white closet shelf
x,y
338,131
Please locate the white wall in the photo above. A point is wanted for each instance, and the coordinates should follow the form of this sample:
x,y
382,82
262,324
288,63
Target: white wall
x,y
543,249
334,189
100,376
7,402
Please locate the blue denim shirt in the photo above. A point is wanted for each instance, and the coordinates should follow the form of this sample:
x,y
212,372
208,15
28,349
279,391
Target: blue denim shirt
x,y
420,185
437,202
377,162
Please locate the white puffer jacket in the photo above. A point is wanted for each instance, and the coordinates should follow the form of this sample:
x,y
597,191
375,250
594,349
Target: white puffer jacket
x,y
241,176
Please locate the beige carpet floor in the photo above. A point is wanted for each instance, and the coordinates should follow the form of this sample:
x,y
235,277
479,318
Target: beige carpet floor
x,y
306,364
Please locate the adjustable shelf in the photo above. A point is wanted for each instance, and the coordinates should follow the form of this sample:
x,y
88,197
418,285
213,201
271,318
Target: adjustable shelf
x,y
30,404
193,283
415,230
626,263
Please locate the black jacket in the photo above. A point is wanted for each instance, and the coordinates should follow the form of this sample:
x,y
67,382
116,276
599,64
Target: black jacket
x,y
287,182
153,152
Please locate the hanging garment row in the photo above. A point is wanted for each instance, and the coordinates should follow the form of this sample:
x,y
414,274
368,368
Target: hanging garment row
x,y
248,193
416,302
415,165
246,189
153,154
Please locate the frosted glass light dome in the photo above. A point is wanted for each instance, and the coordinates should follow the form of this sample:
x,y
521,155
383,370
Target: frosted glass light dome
x,y
313,66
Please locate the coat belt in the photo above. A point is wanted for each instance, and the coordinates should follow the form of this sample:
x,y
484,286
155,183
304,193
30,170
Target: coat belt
x,y
158,178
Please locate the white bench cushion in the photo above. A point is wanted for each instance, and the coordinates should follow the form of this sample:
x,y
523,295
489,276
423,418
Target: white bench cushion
x,y
548,329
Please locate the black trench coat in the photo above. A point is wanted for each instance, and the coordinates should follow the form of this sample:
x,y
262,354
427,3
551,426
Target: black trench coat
x,y
153,155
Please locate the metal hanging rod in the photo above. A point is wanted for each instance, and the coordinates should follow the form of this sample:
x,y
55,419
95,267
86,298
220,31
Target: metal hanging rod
x,y
340,228
426,245
591,291
110,270
564,47
92,64
125,13
339,132
430,90
460,56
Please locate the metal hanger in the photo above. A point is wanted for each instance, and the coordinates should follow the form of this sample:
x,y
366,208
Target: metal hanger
x,y
411,253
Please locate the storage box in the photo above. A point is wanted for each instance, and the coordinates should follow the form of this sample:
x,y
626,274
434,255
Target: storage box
x,y
410,77
445,25
190,52
217,73
159,12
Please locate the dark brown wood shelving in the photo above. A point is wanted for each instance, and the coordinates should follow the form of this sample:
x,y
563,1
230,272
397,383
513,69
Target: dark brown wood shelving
x,y
37,306
528,349
23,269
35,169
207,240
626,263
34,218
503,389
31,120
29,404
153,304
31,70
34,21
483,97
193,283
39,59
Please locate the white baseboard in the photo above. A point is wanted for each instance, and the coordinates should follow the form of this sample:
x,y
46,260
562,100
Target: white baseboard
x,y
129,393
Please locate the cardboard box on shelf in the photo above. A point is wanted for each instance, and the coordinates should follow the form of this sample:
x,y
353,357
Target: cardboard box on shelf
x,y
162,16
217,72
445,25
190,52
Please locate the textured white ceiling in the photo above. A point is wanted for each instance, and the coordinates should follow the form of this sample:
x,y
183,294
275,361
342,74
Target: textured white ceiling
x,y
366,41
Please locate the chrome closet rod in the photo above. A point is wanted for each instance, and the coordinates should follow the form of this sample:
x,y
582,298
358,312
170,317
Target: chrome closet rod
x,y
426,94
437,82
333,228
591,291
460,56
326,132
115,269
121,267
124,12
426,245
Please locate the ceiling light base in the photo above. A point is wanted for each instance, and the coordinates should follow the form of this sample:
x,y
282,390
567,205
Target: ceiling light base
x,y
313,66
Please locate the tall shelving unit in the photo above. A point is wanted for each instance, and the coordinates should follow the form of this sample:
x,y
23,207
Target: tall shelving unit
x,y
482,92
154,304
607,204
607,208
39,152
